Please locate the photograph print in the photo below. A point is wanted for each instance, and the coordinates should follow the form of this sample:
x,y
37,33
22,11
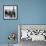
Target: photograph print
x,y
10,12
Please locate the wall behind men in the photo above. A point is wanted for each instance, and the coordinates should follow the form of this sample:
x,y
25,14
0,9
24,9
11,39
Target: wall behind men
x,y
29,12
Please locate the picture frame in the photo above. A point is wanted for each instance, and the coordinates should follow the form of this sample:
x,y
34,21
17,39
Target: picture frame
x,y
10,12
33,31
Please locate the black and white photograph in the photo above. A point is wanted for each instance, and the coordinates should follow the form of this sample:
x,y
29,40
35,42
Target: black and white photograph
x,y
10,12
31,34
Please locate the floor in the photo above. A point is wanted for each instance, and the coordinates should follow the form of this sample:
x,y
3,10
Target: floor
x,y
30,43
7,45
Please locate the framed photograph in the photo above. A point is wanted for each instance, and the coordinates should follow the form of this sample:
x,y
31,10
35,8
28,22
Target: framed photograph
x,y
33,32
10,12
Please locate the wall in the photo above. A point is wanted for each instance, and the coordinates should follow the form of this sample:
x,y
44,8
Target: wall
x,y
7,26
33,12
29,12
